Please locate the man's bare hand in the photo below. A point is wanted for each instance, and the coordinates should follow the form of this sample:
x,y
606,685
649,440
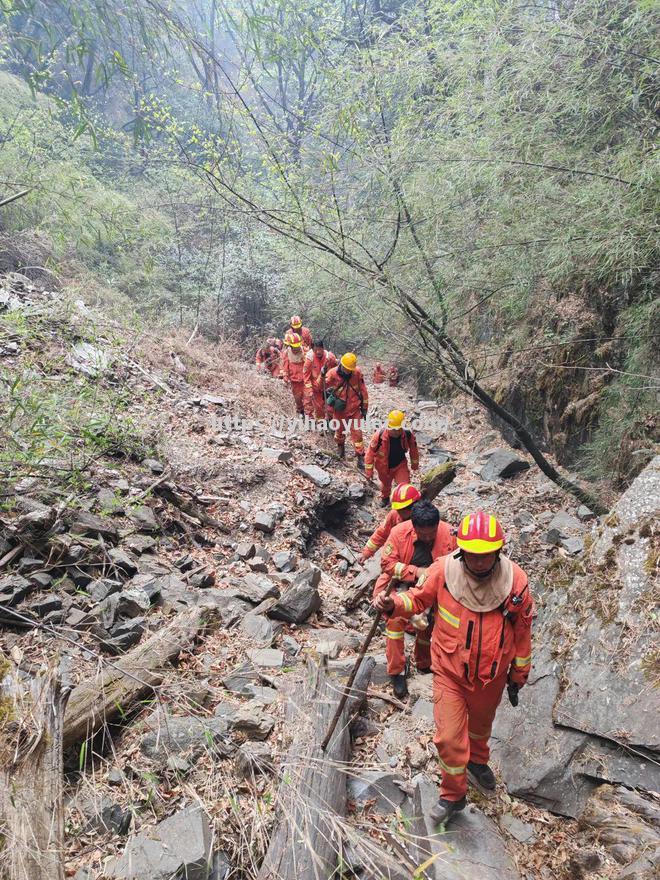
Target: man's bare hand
x,y
383,602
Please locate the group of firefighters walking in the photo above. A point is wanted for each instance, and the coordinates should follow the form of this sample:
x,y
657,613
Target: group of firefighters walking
x,y
467,605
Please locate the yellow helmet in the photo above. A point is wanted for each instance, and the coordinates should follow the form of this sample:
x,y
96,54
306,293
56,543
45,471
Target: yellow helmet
x,y
395,419
349,361
293,340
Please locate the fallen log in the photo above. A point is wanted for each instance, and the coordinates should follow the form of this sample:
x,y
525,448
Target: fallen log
x,y
136,674
311,799
363,584
436,479
31,773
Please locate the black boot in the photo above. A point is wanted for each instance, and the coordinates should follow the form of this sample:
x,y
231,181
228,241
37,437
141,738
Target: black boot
x,y
481,776
443,811
360,462
399,685
425,671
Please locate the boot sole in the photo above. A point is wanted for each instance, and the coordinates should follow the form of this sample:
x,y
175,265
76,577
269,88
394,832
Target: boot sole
x,y
474,782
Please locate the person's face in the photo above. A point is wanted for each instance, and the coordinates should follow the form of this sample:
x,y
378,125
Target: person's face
x,y
318,351
479,563
406,513
426,534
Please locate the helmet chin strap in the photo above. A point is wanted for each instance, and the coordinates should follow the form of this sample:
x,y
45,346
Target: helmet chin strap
x,y
481,575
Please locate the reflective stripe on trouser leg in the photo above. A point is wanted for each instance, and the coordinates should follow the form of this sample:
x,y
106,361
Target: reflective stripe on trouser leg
x,y
395,650
358,440
451,735
482,704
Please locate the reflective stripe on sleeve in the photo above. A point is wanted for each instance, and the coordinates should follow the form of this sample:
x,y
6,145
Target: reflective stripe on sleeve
x,y
391,634
399,569
520,662
407,601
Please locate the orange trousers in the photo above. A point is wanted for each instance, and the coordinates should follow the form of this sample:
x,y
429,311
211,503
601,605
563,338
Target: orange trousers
x,y
298,391
463,721
315,405
395,649
397,475
356,433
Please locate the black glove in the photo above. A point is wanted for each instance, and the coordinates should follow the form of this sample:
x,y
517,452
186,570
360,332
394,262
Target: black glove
x,y
512,690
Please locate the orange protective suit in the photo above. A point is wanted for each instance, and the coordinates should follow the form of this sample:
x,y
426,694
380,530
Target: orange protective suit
x,y
395,563
268,358
353,391
473,655
292,373
381,534
314,402
379,374
393,377
378,454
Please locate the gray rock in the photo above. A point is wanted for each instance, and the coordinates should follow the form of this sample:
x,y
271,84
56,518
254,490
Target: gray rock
x,y
472,848
124,636
89,359
381,788
156,467
501,464
45,606
265,695
342,668
266,657
102,588
317,475
264,522
40,580
423,709
298,603
291,646
257,566
202,580
584,514
106,816
255,589
177,764
282,456
521,831
115,777
562,526
343,567
259,629
572,546
180,846
356,492
110,503
79,619
231,609
285,560
241,679
245,550
222,867
13,589
186,735
252,720
328,648
344,638
89,525
253,759
132,603
144,519
123,561
140,543
523,518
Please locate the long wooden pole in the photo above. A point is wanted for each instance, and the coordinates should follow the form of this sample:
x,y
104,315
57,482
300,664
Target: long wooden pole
x,y
354,671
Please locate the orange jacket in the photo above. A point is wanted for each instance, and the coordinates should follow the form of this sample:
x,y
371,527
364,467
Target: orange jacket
x,y
379,374
380,535
306,336
353,391
473,645
378,451
292,371
313,366
269,356
397,553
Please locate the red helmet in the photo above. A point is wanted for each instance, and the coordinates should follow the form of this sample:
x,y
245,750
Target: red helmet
x,y
293,340
480,533
296,322
404,495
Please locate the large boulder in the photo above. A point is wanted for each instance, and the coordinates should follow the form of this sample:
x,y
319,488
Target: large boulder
x,y
472,847
590,712
502,464
301,600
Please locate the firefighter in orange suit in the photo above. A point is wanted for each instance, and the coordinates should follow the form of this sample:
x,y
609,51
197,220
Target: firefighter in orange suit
x,y
303,332
317,363
292,368
393,376
482,643
268,358
411,548
403,497
379,374
387,452
348,402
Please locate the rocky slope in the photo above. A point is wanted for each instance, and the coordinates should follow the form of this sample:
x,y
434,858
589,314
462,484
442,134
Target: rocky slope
x,y
185,496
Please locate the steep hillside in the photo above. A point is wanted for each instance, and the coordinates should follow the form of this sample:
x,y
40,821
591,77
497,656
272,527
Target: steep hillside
x,y
156,494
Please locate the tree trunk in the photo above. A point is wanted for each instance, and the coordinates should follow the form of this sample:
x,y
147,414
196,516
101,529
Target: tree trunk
x,y
307,839
31,774
93,703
